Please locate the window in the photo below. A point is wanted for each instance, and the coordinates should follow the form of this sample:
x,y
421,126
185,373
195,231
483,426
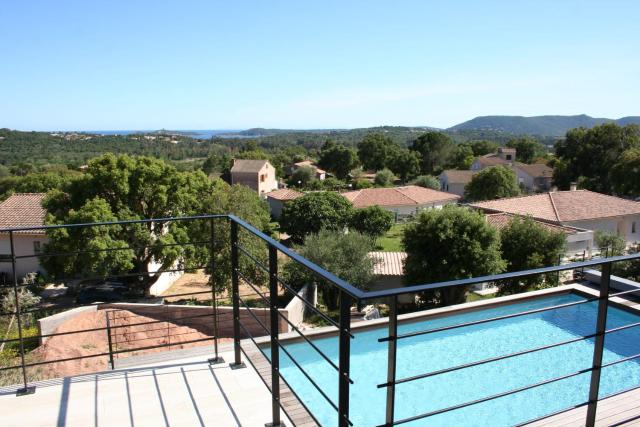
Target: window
x,y
36,247
633,227
263,178
508,156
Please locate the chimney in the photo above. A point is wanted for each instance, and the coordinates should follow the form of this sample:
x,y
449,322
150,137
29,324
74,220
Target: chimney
x,y
573,186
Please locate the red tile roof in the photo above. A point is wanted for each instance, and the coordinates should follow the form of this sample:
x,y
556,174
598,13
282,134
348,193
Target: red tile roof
x,y
410,195
388,263
536,170
23,210
491,160
247,165
455,176
284,194
562,206
501,220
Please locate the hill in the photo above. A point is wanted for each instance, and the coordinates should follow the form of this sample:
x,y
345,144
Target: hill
x,y
538,125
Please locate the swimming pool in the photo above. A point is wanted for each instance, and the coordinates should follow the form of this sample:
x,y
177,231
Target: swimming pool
x,y
426,353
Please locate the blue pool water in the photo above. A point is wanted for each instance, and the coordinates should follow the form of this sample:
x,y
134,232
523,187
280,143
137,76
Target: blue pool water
x,y
440,350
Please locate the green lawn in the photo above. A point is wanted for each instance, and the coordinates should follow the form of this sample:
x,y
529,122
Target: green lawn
x,y
390,242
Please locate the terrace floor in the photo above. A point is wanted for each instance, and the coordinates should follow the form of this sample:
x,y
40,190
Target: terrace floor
x,y
184,392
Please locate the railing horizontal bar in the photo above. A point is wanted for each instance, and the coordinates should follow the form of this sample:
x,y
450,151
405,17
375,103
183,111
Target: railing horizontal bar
x,y
281,377
618,393
124,248
316,269
492,397
630,291
108,223
253,258
324,356
579,405
308,304
622,328
248,282
484,361
54,334
491,319
254,316
624,359
496,277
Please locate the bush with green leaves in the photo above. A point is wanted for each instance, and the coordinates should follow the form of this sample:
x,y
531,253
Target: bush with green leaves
x,y
527,245
496,182
313,212
610,244
384,178
372,221
447,244
343,254
427,181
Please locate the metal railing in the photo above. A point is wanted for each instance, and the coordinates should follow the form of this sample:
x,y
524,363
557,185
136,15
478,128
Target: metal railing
x,y
274,287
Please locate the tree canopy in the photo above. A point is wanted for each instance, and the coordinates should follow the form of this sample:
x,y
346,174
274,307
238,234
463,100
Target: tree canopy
x,y
375,151
384,178
496,182
427,181
338,159
527,245
447,244
435,149
625,173
133,188
588,156
372,221
314,212
527,149
345,255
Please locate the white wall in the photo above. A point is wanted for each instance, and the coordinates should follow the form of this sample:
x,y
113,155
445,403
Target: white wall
x,y
23,244
275,207
616,225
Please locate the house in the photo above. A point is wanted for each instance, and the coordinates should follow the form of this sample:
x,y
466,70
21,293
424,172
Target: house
x,y
505,157
22,210
583,209
579,241
388,272
319,173
259,175
454,181
278,198
402,201
536,177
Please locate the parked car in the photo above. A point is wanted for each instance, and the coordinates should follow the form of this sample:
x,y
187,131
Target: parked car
x,y
103,292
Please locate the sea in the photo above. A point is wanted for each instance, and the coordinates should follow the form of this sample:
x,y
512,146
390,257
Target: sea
x,y
198,134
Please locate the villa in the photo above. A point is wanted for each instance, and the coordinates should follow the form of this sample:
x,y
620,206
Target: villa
x,y
259,175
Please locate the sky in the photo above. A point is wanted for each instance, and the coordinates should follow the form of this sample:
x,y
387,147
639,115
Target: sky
x,y
134,64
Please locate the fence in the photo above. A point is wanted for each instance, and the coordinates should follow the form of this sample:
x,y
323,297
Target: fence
x,y
266,264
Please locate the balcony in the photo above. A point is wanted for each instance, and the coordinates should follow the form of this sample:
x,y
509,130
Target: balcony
x,y
566,355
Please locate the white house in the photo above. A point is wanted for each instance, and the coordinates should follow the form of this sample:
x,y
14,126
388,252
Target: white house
x,y
402,201
578,240
260,175
505,156
454,181
22,210
278,198
535,177
577,208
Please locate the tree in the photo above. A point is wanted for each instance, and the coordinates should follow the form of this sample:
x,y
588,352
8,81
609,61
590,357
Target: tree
x,y
589,155
610,244
405,163
384,178
372,221
461,157
375,151
625,173
496,182
447,244
132,188
314,212
482,147
527,149
345,255
338,159
302,176
527,245
435,149
427,181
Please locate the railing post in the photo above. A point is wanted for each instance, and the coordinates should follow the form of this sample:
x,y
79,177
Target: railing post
x,y
111,364
275,350
391,360
214,302
598,349
235,290
26,389
344,359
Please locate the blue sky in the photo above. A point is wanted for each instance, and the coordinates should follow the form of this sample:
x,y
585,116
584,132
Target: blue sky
x,y
325,64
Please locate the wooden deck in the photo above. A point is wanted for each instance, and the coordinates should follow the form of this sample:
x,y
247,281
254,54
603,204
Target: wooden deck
x,y
621,410
294,409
